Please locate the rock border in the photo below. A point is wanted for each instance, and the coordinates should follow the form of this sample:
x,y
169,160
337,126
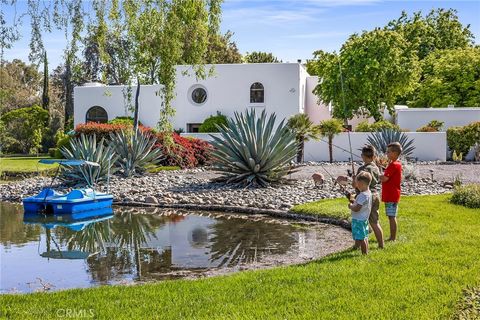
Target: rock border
x,y
247,210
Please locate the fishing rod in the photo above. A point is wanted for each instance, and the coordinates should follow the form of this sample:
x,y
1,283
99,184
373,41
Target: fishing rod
x,y
345,150
344,111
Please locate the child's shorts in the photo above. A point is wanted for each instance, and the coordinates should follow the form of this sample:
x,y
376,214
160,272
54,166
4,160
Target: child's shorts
x,y
391,209
359,229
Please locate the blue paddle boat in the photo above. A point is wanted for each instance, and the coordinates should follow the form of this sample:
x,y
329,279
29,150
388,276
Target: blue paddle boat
x,y
48,201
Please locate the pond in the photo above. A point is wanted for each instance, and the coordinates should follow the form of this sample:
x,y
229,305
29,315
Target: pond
x,y
134,245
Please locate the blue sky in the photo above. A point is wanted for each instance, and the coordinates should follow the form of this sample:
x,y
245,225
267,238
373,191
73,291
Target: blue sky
x,y
290,29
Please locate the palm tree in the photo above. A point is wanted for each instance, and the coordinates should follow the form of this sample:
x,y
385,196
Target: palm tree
x,y
304,130
330,128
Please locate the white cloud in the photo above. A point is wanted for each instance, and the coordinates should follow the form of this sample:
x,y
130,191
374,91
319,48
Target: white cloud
x,y
268,15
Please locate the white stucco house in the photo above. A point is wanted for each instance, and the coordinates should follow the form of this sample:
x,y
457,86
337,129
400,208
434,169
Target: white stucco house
x,y
283,88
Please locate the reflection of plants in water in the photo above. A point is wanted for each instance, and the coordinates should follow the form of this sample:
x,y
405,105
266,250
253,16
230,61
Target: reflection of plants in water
x,y
91,239
112,264
129,232
12,228
237,241
118,241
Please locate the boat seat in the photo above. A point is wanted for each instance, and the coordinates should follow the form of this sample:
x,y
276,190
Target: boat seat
x,y
80,194
47,192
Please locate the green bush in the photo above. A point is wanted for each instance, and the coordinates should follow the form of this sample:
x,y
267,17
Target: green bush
x,y
52,152
124,121
384,124
364,126
468,196
62,141
3,135
25,128
432,126
210,124
461,139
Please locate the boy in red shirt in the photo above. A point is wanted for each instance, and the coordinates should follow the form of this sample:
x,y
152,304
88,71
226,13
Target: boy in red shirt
x,y
391,180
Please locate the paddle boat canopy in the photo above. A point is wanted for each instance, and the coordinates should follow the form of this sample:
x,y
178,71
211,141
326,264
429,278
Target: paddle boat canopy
x,y
48,201
77,224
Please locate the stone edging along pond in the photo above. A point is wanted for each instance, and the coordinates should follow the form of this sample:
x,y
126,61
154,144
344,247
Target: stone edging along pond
x,y
247,210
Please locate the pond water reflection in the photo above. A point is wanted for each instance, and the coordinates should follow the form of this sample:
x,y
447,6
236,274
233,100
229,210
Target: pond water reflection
x,y
135,245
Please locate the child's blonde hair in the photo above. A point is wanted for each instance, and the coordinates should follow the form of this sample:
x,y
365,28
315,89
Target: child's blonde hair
x,y
364,177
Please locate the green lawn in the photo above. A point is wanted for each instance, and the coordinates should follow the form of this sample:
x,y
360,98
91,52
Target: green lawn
x,y
24,164
421,276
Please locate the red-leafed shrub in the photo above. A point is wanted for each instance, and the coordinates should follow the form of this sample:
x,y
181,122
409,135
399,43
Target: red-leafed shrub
x,y
178,151
201,149
184,152
103,130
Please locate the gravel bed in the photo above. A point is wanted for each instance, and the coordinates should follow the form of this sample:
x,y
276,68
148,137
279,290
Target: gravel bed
x,y
194,186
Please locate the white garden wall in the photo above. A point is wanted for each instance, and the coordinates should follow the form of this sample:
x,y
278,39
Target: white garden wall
x,y
414,118
428,146
203,136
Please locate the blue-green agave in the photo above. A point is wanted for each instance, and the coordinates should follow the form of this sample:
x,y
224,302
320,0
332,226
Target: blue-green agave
x,y
252,151
87,148
381,139
135,150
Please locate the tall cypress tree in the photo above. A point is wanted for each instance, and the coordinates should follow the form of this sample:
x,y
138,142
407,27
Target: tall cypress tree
x,y
45,98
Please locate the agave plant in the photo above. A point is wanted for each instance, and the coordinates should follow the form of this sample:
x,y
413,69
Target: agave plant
x,y
135,150
253,152
87,148
381,139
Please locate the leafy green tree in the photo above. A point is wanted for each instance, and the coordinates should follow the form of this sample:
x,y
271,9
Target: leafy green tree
x,y
304,130
26,126
371,71
161,34
260,57
450,77
44,16
439,29
3,136
114,69
330,128
221,49
19,85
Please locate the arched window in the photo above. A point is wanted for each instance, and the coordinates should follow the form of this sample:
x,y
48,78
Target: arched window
x,y
96,114
257,93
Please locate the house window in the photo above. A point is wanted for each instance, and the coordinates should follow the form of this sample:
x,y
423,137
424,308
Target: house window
x,y
197,94
193,127
257,93
96,114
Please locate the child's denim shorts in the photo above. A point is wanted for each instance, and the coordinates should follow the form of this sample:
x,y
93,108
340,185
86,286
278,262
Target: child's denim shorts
x,y
359,229
391,209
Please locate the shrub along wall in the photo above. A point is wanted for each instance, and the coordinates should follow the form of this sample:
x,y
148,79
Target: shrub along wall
x,y
462,139
184,152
